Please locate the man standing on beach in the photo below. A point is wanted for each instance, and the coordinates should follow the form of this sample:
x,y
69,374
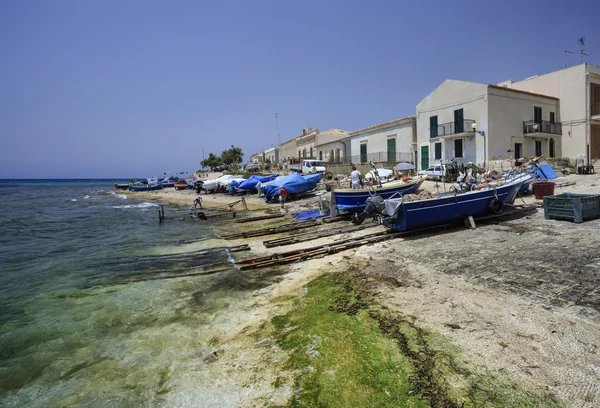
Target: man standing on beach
x,y
355,178
282,195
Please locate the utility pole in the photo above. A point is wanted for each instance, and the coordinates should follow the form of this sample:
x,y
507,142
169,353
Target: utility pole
x,y
277,125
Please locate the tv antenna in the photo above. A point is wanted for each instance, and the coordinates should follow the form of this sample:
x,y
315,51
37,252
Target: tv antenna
x,y
567,52
581,45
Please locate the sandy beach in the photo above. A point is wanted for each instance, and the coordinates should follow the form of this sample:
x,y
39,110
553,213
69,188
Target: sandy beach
x,y
518,298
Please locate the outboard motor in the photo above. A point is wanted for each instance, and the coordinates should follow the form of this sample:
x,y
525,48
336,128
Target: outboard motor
x,y
374,205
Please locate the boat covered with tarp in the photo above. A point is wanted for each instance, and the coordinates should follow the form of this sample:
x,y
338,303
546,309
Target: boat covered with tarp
x,y
251,183
294,184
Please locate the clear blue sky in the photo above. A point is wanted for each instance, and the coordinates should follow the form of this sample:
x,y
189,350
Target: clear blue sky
x,y
134,88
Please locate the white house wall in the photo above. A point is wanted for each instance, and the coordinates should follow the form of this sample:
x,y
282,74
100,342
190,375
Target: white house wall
x,y
376,140
507,112
442,102
570,86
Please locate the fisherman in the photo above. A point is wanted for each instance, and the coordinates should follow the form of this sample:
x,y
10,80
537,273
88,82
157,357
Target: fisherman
x,y
355,178
282,195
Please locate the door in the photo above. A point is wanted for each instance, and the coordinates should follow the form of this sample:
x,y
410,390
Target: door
x,y
538,148
552,148
595,145
459,123
537,114
363,153
391,150
424,157
518,150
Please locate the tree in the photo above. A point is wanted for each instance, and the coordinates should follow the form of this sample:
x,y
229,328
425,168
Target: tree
x,y
232,156
213,161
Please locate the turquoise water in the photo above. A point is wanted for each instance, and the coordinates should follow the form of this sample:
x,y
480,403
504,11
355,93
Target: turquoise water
x,y
76,330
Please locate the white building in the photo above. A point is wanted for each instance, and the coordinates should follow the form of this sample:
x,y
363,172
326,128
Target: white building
x,y
387,142
509,123
300,147
578,89
329,146
271,155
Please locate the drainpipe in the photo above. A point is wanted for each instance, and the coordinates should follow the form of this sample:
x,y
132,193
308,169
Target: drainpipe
x,y
587,116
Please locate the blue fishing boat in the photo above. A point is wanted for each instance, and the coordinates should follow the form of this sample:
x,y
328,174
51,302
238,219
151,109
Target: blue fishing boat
x,y
251,183
145,187
294,184
350,201
401,215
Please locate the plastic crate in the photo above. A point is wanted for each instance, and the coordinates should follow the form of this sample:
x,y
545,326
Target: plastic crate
x,y
572,207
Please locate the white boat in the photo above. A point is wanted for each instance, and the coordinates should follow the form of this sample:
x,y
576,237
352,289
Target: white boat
x,y
213,185
384,175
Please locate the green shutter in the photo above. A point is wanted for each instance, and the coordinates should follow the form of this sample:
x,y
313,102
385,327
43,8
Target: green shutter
x,y
433,126
438,151
424,157
363,153
459,123
391,150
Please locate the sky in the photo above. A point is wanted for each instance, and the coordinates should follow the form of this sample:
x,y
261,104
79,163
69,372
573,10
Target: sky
x,y
128,88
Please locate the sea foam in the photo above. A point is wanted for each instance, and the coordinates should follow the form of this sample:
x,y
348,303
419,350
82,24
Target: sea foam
x,y
141,205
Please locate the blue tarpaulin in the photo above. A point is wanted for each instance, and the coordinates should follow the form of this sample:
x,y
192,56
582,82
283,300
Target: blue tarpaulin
x,y
545,172
293,184
250,184
309,215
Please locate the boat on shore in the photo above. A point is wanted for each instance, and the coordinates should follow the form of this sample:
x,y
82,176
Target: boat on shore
x,y
180,185
145,187
402,214
294,184
347,200
121,186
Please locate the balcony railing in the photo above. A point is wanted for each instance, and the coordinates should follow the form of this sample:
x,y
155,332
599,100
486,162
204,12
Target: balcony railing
x,y
595,109
544,126
453,128
380,157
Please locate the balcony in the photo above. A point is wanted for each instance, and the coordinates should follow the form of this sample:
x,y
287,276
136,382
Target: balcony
x,y
544,127
454,129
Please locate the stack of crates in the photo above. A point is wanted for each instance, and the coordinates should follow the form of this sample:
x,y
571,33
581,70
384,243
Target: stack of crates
x,y
572,207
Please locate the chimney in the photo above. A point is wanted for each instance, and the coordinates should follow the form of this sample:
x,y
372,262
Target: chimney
x,y
304,131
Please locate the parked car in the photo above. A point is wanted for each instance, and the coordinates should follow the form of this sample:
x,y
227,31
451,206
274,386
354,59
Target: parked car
x,y
436,171
250,167
308,167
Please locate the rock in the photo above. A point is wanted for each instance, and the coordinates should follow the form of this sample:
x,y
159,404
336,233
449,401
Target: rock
x,y
566,171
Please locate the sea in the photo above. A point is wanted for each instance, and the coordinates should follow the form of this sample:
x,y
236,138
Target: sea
x,y
84,321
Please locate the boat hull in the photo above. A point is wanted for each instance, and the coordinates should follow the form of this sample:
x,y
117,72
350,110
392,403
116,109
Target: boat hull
x,y
412,215
180,186
146,187
350,201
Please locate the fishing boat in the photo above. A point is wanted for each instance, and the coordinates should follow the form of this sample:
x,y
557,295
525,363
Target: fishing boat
x,y
121,186
252,182
145,187
347,200
180,185
214,184
294,184
399,214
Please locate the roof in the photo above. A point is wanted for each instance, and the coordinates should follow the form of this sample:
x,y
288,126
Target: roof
x,y
522,92
400,121
331,135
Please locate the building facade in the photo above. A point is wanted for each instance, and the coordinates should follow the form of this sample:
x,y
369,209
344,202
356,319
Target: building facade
x,y
578,89
329,146
473,122
271,155
389,142
300,147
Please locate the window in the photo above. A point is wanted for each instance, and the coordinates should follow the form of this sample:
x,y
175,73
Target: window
x,y
552,152
518,150
433,126
458,148
311,152
459,123
363,152
304,153
438,151
552,120
537,114
320,154
391,149
538,147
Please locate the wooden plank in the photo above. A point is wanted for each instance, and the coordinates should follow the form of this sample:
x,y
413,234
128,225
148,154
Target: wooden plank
x,y
259,218
272,230
314,235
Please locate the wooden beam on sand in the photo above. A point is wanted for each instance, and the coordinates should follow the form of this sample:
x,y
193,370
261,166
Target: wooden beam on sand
x,y
273,230
309,236
252,219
